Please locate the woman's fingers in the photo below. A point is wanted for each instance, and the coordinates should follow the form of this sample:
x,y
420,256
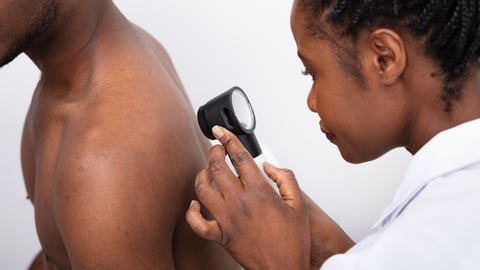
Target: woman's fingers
x,y
208,229
287,185
220,173
241,159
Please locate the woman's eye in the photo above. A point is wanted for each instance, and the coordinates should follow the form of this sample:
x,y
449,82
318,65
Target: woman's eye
x,y
307,72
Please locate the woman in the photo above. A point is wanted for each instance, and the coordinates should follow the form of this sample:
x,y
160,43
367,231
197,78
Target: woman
x,y
386,74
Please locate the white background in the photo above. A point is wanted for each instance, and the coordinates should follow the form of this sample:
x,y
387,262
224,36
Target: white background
x,y
216,45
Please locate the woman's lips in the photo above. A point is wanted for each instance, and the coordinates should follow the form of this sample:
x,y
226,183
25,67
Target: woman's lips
x,y
330,136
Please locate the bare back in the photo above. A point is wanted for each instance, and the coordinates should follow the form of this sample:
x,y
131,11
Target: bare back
x,y
110,165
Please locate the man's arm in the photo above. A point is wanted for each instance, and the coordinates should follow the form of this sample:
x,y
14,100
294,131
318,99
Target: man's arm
x,y
115,207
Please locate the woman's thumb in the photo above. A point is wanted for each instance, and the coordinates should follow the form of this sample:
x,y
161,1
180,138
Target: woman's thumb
x,y
287,185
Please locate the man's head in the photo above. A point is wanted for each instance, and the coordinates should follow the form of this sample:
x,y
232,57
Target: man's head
x,y
24,23
450,29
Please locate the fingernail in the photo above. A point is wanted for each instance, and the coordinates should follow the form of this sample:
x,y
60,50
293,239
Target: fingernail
x,y
218,132
193,203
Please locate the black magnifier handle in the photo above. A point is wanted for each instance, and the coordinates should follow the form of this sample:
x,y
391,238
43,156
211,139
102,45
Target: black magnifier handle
x,y
232,110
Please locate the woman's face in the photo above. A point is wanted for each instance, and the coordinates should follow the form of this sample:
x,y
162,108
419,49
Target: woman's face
x,y
364,120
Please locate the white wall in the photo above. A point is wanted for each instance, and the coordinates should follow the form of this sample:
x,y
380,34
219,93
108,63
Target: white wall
x,y
216,44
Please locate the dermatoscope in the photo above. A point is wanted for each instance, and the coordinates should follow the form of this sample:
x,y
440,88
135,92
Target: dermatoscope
x,y
232,110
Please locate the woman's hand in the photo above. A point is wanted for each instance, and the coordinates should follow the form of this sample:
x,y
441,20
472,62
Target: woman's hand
x,y
327,238
259,228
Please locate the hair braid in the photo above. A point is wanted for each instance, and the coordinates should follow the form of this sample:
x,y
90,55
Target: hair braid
x,y
338,9
451,29
465,38
441,38
359,15
454,48
430,14
474,49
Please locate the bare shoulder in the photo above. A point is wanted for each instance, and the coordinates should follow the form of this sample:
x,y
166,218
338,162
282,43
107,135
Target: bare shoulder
x,y
129,155
155,44
137,87
134,130
108,199
123,181
133,51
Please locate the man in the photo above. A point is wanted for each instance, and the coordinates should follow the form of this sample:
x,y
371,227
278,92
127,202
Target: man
x,y
386,74
104,156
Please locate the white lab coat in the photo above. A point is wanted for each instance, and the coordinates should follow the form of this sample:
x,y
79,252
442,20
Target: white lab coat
x,y
433,221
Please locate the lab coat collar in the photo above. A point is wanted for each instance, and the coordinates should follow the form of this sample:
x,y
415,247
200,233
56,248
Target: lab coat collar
x,y
449,150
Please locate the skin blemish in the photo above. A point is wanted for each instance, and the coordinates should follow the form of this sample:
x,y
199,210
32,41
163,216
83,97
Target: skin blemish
x,y
101,156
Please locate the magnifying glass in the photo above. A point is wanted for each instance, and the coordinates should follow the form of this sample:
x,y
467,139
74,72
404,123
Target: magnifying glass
x,y
231,110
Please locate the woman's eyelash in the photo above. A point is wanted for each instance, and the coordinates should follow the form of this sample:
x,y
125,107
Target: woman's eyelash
x,y
306,72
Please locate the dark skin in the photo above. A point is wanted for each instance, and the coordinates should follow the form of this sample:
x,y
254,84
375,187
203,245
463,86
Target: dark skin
x,y
110,146
398,105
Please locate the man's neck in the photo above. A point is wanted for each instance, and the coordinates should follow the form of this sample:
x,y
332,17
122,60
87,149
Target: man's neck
x,y
68,52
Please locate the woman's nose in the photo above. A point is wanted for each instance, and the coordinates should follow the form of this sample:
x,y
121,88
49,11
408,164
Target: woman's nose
x,y
311,102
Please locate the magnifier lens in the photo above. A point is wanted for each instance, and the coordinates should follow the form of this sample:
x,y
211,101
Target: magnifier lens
x,y
243,110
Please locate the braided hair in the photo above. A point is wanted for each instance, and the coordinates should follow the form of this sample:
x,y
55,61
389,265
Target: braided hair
x,y
450,28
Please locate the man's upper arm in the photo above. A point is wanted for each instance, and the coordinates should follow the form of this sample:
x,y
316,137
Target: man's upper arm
x,y
115,209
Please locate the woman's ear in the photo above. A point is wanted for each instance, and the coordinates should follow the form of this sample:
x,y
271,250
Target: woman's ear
x,y
389,55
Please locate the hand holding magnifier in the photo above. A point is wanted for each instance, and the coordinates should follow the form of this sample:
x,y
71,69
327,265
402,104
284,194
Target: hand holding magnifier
x,y
243,204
